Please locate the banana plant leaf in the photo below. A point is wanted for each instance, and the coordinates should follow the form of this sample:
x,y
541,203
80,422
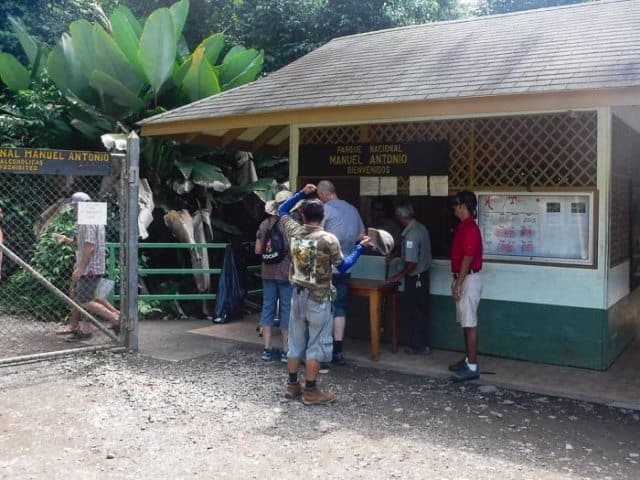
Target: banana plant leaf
x,y
236,193
180,70
225,227
179,12
97,118
213,45
200,80
126,37
113,62
158,48
131,19
203,174
80,53
28,43
86,129
248,75
14,75
236,65
120,94
235,50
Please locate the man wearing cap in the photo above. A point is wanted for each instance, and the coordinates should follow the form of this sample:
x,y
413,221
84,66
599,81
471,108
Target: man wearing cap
x,y
88,269
342,220
416,257
313,253
466,263
275,280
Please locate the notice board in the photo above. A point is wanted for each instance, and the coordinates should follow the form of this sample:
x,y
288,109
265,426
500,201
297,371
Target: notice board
x,y
538,227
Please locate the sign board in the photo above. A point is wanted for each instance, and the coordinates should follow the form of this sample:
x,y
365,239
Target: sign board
x,y
54,162
537,227
92,213
374,159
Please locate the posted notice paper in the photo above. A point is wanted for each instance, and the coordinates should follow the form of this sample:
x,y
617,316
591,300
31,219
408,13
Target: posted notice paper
x,y
389,186
92,213
418,185
439,185
369,186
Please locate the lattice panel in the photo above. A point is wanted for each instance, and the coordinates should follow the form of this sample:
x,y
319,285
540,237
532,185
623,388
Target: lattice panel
x,y
330,135
620,222
533,151
554,150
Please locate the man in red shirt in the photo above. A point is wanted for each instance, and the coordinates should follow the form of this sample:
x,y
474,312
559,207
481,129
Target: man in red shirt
x,y
466,263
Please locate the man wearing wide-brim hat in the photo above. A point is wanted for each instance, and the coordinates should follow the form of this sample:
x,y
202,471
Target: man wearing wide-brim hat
x,y
276,287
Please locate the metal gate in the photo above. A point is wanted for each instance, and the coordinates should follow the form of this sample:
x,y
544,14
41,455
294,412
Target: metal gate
x,y
35,281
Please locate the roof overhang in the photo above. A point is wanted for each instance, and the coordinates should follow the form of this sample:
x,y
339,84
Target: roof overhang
x,y
269,131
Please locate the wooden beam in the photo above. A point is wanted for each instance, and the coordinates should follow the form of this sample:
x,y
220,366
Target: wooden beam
x,y
423,110
284,146
231,135
265,136
213,141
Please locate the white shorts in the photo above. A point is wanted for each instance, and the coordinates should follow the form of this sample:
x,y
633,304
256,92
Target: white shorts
x,y
467,306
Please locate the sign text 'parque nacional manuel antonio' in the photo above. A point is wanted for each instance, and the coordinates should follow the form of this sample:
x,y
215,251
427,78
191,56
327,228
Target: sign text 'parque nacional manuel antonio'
x,y
54,162
375,159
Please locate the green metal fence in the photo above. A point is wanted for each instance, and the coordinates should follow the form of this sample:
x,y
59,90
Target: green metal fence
x,y
112,267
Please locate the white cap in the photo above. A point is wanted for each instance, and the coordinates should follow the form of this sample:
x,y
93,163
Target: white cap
x,y
79,197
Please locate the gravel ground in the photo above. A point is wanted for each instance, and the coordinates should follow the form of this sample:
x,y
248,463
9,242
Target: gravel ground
x,y
20,335
222,416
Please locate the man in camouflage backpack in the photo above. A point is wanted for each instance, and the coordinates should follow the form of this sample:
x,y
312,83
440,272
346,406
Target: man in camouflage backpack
x,y
313,253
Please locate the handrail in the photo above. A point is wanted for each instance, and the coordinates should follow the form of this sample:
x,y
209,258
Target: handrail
x,y
112,247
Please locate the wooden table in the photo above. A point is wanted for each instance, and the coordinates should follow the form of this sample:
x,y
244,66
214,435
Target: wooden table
x,y
375,290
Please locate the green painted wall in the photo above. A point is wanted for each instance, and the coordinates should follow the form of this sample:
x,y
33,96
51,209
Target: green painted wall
x,y
569,336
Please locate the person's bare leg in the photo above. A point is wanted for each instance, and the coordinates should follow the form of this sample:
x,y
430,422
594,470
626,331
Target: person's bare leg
x,y
285,340
100,310
311,369
293,365
266,336
105,303
338,328
471,337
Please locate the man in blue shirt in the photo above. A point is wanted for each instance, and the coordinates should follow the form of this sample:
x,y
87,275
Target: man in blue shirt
x,y
342,220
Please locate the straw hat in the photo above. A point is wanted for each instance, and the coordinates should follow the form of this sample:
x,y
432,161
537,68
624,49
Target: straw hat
x,y
271,207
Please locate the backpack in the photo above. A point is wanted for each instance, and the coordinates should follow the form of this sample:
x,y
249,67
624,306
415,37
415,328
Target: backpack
x,y
274,245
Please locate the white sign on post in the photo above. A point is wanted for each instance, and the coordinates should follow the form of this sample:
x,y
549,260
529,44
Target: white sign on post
x,y
92,213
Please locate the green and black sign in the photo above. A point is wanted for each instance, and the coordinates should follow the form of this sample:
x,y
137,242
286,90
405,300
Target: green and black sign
x,y
375,159
54,162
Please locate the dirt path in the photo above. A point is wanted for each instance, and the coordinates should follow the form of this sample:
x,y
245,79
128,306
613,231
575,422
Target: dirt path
x,y
222,416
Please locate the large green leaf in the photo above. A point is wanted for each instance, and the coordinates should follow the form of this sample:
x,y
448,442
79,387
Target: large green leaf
x,y
180,71
82,49
27,42
179,12
86,129
126,38
158,48
14,75
64,67
131,19
113,61
248,75
120,94
237,64
213,45
204,174
235,50
201,80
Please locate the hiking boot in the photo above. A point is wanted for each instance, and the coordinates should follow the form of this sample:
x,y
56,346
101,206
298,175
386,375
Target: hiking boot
x,y
338,359
464,374
454,367
292,390
317,397
268,355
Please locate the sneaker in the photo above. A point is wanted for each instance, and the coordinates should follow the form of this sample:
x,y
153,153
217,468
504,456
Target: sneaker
x,y
417,351
454,367
268,355
324,367
338,359
317,397
464,374
292,390
78,335
283,357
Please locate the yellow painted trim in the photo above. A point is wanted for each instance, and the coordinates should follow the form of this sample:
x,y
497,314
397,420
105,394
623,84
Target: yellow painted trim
x,y
409,111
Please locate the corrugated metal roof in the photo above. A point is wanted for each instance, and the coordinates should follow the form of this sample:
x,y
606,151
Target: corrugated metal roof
x,y
585,46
